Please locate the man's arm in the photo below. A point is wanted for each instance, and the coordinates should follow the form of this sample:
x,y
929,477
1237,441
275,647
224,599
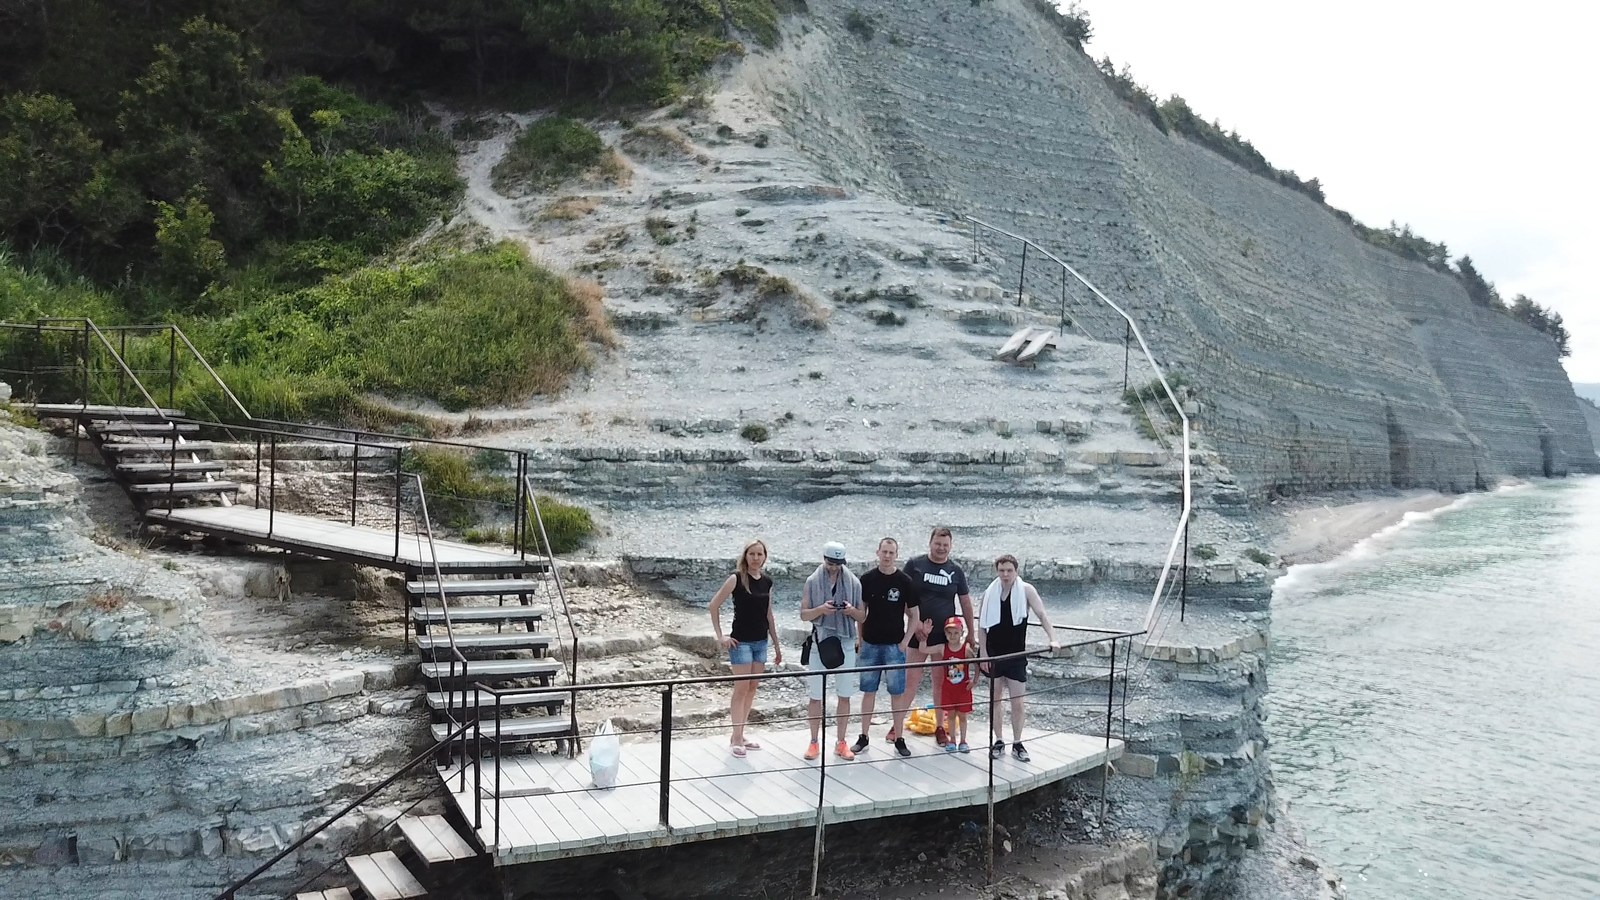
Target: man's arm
x,y
1036,603
913,626
966,613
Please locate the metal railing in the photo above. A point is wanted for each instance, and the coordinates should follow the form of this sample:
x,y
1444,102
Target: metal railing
x,y
667,729
74,361
230,892
1064,276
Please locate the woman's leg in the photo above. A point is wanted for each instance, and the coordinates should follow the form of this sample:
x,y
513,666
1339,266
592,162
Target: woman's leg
x,y
744,696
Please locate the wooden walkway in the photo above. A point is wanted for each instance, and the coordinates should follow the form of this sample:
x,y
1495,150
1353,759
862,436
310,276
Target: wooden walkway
x,y
550,810
333,540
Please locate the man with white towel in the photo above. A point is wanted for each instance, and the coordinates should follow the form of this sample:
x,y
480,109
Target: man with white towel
x,y
1003,629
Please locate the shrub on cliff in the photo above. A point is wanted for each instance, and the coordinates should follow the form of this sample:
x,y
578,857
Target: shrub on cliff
x,y
547,153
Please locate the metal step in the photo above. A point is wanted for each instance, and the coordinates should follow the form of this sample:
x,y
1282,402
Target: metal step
x,y
477,587
493,669
98,411
142,428
514,729
156,448
441,700
156,469
185,488
384,877
434,840
485,643
493,615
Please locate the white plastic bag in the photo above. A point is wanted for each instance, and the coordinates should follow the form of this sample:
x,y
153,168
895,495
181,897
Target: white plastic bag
x,y
605,756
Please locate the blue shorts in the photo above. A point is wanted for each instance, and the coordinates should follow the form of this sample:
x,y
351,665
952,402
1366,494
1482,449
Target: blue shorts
x,y
883,655
746,652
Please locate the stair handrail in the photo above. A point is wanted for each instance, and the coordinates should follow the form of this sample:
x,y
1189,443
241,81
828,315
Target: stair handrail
x,y
425,521
231,890
555,572
1180,535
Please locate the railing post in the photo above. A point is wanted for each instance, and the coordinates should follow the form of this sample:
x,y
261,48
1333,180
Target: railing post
x,y
172,365
172,468
1063,325
258,470
1022,273
84,357
975,250
397,465
34,349
995,729
822,783
1183,590
477,748
1111,693
462,760
122,343
355,471
1127,336
666,755
496,747
272,484
520,535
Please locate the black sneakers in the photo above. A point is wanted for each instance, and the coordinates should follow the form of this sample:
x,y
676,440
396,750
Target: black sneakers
x,y
861,743
900,747
998,750
1019,751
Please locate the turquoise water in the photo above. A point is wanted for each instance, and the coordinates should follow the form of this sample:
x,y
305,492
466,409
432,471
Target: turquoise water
x,y
1435,701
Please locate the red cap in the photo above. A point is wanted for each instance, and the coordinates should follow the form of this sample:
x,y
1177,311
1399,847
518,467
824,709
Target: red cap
x,y
955,622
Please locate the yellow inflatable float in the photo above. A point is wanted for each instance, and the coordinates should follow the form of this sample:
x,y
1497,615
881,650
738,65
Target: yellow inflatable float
x,y
922,721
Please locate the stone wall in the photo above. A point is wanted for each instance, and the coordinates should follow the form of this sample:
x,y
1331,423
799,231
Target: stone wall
x,y
145,755
1324,363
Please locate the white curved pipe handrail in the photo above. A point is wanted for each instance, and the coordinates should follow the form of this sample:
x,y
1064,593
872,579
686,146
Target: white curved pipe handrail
x,y
1188,494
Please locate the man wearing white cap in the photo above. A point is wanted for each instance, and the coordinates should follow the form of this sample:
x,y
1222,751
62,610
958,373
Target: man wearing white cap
x,y
831,602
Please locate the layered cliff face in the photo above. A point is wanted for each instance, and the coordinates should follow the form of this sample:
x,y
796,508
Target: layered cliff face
x,y
1325,362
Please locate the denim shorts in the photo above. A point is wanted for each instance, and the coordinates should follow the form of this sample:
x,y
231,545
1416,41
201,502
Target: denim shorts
x,y
746,652
883,655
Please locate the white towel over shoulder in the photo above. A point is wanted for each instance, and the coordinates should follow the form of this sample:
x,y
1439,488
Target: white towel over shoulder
x,y
989,612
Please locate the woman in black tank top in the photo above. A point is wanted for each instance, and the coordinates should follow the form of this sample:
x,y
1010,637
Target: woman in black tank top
x,y
754,627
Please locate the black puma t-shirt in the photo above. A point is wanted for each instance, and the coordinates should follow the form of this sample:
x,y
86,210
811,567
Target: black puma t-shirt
x,y
938,586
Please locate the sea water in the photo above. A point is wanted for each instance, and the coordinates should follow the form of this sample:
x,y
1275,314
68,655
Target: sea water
x,y
1435,700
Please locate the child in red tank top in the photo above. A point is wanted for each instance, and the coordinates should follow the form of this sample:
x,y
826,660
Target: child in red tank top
x,y
957,691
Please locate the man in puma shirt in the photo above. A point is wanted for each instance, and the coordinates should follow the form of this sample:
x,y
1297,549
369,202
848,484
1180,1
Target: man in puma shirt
x,y
940,583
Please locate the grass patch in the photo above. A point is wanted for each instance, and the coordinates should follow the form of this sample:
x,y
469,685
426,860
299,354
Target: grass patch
x,y
569,209
886,317
1260,557
569,527
755,433
461,488
1204,552
656,142
547,153
477,328
1153,411
660,229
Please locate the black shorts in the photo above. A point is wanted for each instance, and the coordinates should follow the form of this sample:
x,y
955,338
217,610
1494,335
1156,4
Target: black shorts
x,y
1014,669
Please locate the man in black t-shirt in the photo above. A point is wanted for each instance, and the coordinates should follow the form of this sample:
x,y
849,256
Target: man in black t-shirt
x,y
940,583
891,599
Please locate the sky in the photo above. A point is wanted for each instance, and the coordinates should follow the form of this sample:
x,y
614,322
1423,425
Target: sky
x,y
1470,121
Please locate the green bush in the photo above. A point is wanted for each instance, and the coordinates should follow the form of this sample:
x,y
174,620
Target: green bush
x,y
1260,557
1204,552
569,527
547,153
755,433
461,491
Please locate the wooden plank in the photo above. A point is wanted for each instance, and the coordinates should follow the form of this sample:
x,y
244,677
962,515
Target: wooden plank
x,y
1036,346
714,794
317,534
338,893
1014,344
434,840
384,877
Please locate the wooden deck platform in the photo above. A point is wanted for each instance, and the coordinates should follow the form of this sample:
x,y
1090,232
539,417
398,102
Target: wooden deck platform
x,y
333,540
550,810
